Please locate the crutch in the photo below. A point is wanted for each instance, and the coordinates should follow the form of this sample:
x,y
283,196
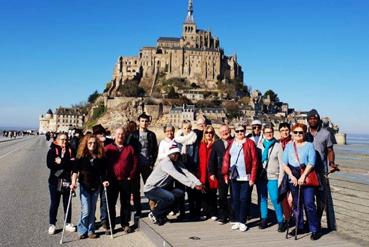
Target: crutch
x,y
107,206
297,212
66,216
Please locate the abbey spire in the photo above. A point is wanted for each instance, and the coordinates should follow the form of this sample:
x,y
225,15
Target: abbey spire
x,y
189,17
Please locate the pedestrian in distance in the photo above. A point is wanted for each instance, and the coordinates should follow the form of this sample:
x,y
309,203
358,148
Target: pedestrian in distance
x,y
215,171
60,161
91,172
240,164
159,185
299,155
272,173
145,145
122,168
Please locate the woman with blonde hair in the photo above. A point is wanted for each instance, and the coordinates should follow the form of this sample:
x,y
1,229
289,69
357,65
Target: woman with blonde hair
x,y
91,173
209,200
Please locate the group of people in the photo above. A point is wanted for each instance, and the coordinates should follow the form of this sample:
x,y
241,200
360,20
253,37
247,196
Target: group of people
x,y
200,164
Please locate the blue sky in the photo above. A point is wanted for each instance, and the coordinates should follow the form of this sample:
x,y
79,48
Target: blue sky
x,y
313,53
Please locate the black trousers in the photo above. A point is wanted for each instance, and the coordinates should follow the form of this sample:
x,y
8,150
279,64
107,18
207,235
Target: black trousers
x,y
55,201
209,203
123,190
224,205
194,202
145,172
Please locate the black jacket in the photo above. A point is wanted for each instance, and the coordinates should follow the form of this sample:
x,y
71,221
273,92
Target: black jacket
x,y
62,170
216,158
92,172
134,140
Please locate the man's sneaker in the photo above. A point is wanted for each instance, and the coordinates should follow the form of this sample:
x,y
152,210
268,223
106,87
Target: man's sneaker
x,y
152,217
243,227
92,235
214,218
235,226
70,228
222,221
52,229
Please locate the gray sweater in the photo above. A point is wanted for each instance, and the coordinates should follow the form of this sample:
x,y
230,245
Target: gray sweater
x,y
164,173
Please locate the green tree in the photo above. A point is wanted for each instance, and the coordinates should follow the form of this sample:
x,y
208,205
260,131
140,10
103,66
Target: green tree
x,y
131,89
273,96
93,97
172,93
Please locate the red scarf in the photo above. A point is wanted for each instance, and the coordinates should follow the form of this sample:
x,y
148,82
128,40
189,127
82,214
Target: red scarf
x,y
285,141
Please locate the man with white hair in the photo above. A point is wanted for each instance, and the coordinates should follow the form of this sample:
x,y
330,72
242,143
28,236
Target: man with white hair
x,y
159,187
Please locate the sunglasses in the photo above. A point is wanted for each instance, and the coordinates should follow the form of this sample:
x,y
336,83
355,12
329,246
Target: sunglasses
x,y
256,127
239,131
298,132
209,132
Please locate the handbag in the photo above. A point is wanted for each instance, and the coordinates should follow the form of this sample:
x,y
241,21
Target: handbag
x,y
234,172
311,178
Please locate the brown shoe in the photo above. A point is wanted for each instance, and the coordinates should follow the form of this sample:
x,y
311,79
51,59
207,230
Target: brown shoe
x,y
92,235
82,236
128,229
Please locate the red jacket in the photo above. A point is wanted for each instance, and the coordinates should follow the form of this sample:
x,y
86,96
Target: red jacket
x,y
251,160
122,163
204,155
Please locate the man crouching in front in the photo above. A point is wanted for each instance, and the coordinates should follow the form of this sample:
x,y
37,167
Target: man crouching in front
x,y
159,185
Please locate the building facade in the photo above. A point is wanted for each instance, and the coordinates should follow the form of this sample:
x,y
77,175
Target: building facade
x,y
196,55
63,120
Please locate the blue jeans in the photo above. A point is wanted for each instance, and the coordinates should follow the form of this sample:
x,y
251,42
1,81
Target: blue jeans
x,y
88,209
165,200
270,186
241,191
307,201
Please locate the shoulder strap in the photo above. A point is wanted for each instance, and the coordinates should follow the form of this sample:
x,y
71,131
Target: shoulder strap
x,y
296,153
239,153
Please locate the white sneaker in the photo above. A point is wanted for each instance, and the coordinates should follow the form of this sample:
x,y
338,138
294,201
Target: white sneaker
x,y
152,217
235,226
214,218
70,228
243,227
51,229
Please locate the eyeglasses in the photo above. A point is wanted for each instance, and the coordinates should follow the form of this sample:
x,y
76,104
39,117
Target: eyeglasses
x,y
298,132
209,132
239,131
268,132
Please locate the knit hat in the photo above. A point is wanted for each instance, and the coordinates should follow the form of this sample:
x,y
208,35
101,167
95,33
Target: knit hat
x,y
313,113
173,149
98,129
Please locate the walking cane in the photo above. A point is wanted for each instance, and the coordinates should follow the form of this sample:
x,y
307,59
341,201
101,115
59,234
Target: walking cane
x,y
297,212
66,215
107,206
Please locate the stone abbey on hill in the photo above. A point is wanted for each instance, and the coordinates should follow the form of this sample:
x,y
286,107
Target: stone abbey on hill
x,y
196,56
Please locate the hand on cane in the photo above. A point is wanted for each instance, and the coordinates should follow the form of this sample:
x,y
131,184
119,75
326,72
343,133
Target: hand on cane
x,y
73,186
301,180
